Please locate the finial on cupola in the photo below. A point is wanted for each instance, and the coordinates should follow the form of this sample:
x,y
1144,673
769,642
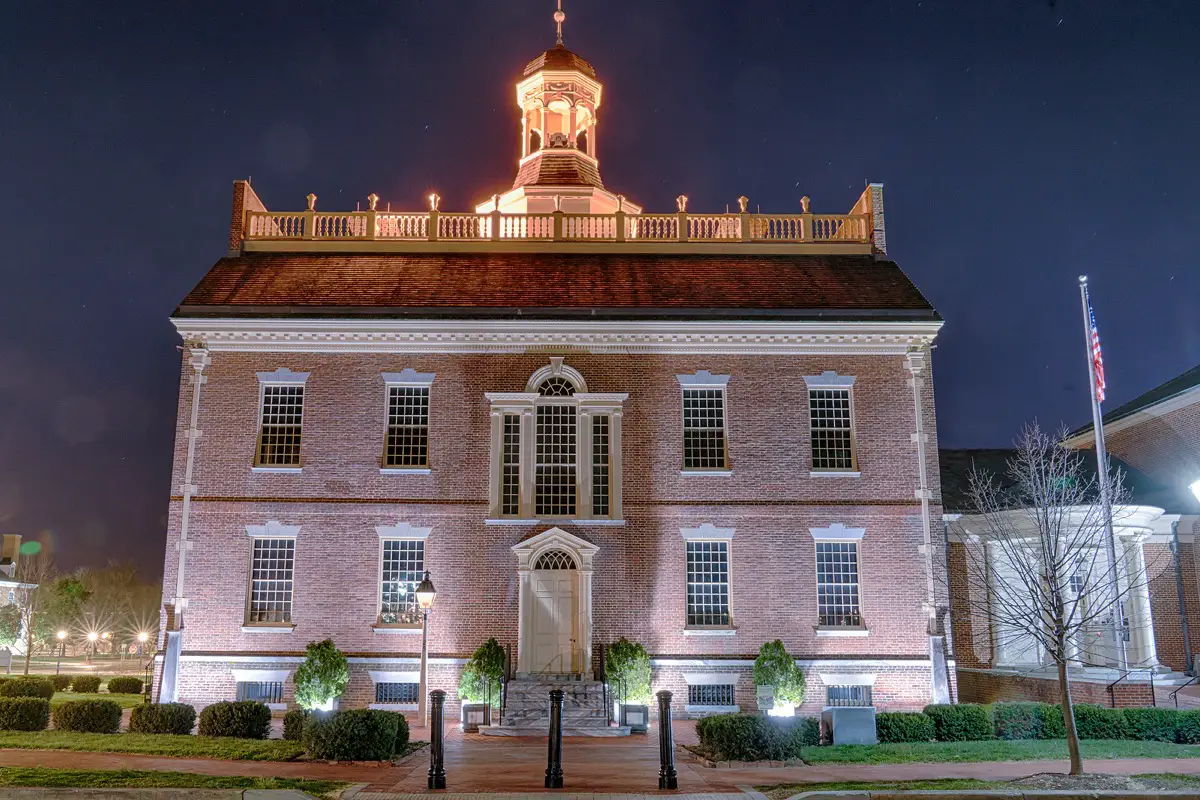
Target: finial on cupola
x,y
560,17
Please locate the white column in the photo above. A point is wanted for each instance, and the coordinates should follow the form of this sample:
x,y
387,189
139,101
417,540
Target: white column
x,y
1143,653
494,472
614,468
528,440
524,587
583,647
583,465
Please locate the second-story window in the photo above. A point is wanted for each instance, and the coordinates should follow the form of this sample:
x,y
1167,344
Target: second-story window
x,y
831,423
555,462
406,440
705,445
281,419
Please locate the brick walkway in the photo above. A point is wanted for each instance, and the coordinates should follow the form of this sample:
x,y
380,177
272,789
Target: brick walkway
x,y
619,765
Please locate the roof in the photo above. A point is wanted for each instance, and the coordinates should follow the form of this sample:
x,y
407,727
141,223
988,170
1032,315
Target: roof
x,y
558,167
956,466
1172,388
560,58
484,284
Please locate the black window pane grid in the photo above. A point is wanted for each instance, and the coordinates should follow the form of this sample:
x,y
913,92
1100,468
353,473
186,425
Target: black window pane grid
x,y
510,466
708,583
716,694
555,461
600,467
279,436
406,693
260,691
829,418
837,584
403,567
704,429
408,427
848,695
271,581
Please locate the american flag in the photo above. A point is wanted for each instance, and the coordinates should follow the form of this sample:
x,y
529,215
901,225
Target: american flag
x,y
1097,358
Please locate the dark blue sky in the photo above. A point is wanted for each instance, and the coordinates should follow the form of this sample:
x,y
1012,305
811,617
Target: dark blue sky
x,y
1021,143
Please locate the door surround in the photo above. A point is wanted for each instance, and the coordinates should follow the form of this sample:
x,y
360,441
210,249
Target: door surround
x,y
527,553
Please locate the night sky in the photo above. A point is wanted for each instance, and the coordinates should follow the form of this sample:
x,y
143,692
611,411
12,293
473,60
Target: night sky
x,y
1021,142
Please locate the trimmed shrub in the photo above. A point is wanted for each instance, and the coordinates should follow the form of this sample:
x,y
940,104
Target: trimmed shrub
x,y
60,682
125,684
1019,720
1053,724
88,716
177,718
806,732
24,713
85,684
401,733
358,735
1097,722
774,667
964,722
27,687
322,677
750,737
628,667
1188,729
244,719
903,726
1151,724
293,725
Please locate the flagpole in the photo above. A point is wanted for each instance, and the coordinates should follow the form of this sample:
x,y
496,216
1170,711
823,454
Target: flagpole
x,y
1102,472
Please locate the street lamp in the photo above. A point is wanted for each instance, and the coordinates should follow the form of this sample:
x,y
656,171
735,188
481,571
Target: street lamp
x,y
426,594
62,650
92,637
142,638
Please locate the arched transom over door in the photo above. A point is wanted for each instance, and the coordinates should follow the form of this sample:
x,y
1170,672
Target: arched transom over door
x,y
555,612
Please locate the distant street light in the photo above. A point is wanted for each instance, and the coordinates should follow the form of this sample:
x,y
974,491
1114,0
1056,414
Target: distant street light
x,y
62,650
1196,489
142,638
92,637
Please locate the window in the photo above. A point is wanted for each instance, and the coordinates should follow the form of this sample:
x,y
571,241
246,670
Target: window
x,y
712,694
708,584
271,581
848,695
510,493
403,564
555,459
397,693
600,467
408,427
704,429
837,584
279,431
832,434
260,691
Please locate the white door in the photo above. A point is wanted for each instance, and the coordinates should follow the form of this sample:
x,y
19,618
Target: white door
x,y
554,615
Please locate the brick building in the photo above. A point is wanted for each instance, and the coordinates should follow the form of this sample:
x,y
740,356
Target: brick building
x,y
698,431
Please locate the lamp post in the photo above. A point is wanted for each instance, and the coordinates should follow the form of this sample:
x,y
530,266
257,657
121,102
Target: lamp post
x,y
425,597
92,637
142,638
62,650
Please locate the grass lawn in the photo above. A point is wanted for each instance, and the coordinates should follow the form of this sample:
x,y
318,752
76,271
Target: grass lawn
x,y
155,744
992,750
784,791
38,776
126,700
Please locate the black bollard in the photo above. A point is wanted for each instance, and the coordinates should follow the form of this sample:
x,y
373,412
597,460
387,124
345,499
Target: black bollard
x,y
666,744
437,756
554,772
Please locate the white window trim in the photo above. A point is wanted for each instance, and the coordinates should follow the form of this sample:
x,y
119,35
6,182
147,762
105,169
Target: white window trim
x,y
263,676
703,379
383,676
401,531
407,377
711,679
524,405
829,380
283,375
280,377
273,529
707,532
847,678
837,532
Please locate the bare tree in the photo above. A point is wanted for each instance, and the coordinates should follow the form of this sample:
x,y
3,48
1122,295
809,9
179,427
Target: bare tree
x,y
1039,558
36,574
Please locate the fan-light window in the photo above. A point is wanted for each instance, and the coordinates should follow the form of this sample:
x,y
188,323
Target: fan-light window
x,y
554,559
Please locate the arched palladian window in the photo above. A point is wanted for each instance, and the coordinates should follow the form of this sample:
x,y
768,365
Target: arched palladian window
x,y
556,449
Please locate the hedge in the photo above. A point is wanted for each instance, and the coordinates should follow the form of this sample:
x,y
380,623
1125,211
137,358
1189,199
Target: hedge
x,y
27,687
965,722
293,725
244,719
1188,729
178,718
125,684
88,716
358,735
24,713
1053,724
749,737
61,682
1151,724
1097,722
1019,720
85,684
903,726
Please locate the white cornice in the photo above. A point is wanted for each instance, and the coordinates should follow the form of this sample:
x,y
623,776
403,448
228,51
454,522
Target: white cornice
x,y
521,336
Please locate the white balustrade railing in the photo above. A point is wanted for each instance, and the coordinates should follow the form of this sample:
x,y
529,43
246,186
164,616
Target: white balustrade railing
x,y
558,226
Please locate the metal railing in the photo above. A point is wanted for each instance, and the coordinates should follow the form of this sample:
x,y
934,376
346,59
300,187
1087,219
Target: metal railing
x,y
1112,691
1181,687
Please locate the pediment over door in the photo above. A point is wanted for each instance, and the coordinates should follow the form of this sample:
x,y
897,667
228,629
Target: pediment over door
x,y
554,539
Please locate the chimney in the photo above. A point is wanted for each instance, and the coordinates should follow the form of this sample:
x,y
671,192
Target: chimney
x,y
10,549
244,199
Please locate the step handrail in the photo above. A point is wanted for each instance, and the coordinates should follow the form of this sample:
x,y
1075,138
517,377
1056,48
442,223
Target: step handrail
x,y
1181,687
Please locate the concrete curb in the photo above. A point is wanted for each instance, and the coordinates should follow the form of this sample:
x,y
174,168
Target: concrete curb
x,y
997,794
67,793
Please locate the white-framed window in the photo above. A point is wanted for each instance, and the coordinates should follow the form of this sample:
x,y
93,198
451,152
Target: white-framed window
x,y
401,567
280,419
396,691
710,693
831,423
556,450
261,686
707,579
837,573
272,574
705,440
406,439
848,695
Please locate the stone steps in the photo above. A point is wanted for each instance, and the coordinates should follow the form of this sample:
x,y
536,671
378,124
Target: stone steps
x,y
527,707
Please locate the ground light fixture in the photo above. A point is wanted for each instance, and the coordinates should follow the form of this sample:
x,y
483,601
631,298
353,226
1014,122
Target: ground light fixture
x,y
426,594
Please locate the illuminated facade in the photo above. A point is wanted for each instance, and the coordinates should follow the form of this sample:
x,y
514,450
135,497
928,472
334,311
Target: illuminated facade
x,y
701,432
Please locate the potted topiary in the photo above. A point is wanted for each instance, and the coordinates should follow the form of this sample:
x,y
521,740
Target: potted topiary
x,y
479,684
627,666
322,677
778,682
